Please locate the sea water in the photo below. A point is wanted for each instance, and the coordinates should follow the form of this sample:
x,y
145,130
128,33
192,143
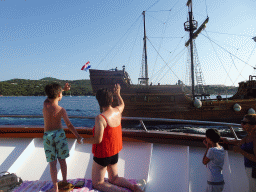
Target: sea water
x,y
84,106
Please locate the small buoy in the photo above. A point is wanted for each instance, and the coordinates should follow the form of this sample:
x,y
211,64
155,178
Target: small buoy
x,y
237,107
197,103
251,111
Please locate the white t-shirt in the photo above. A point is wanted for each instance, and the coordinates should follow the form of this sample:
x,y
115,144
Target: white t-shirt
x,y
215,165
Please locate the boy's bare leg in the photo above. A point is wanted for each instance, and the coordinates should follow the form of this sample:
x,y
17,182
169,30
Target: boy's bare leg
x,y
120,181
53,171
63,168
98,174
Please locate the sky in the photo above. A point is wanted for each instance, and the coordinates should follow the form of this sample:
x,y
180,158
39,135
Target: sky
x,y
55,38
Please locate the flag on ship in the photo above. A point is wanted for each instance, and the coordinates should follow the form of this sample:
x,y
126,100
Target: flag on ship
x,y
86,66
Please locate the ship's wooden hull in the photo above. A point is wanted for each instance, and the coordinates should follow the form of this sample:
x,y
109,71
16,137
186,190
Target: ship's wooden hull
x,y
172,101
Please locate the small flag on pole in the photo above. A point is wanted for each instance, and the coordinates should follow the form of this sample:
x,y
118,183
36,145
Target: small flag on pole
x,y
86,66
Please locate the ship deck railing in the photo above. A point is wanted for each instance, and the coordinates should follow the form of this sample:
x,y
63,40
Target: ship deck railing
x,y
231,126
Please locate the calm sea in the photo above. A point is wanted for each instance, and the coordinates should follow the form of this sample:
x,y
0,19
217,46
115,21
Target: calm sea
x,y
84,106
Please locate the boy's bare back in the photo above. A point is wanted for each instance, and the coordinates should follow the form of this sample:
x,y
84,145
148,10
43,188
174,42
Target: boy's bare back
x,y
52,113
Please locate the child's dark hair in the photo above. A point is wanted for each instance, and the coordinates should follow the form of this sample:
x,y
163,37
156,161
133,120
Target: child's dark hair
x,y
104,97
52,90
213,135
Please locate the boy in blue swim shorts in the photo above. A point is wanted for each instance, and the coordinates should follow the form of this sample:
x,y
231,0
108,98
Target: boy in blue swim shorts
x,y
55,145
55,141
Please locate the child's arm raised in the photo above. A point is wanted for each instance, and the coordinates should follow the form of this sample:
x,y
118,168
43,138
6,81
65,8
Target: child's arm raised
x,y
70,126
66,87
206,160
119,98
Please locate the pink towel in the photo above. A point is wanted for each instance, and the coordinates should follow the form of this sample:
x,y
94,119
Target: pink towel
x,y
46,185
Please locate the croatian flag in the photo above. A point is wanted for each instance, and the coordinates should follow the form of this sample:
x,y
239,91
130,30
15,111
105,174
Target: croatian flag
x,y
86,66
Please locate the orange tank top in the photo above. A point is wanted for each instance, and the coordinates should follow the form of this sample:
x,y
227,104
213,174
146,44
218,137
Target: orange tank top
x,y
111,143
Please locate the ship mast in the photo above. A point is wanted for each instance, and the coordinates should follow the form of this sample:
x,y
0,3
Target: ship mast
x,y
144,76
191,26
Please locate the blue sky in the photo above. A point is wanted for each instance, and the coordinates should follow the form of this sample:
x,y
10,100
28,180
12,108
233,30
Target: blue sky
x,y
54,38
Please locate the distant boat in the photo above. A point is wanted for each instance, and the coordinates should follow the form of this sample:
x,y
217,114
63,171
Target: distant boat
x,y
177,101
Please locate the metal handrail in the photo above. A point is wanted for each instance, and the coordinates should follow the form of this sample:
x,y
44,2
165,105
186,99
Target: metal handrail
x,y
142,119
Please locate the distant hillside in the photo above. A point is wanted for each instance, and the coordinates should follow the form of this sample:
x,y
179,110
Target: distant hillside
x,y
26,87
49,79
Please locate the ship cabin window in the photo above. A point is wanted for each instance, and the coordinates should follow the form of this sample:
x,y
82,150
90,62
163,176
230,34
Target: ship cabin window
x,y
154,99
145,98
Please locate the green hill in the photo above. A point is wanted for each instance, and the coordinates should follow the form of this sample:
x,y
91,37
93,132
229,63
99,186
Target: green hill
x,y
26,87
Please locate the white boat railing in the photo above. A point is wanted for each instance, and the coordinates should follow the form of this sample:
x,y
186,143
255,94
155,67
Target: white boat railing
x,y
143,119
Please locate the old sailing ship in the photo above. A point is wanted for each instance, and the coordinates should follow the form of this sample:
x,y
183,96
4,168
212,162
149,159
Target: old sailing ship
x,y
176,101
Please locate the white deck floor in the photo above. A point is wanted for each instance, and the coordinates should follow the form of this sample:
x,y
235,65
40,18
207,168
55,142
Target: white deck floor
x,y
166,167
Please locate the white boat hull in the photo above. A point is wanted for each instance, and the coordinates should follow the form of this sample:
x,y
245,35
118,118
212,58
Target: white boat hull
x,y
166,167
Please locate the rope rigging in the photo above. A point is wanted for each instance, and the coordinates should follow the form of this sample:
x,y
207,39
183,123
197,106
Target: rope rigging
x,y
160,44
248,61
218,57
173,66
164,60
160,72
227,51
235,67
163,67
117,42
206,8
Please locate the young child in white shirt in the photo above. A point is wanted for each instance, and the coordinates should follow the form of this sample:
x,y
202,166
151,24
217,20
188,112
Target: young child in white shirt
x,y
214,160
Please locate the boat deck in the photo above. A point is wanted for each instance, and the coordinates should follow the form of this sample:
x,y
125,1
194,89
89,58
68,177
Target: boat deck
x,y
166,167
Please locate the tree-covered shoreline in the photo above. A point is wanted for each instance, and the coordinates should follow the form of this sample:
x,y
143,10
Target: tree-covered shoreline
x,y
26,87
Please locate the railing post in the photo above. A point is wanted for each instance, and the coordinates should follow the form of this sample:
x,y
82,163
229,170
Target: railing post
x,y
233,131
143,125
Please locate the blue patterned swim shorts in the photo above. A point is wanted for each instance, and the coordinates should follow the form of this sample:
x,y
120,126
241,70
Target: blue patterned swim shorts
x,y
55,145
